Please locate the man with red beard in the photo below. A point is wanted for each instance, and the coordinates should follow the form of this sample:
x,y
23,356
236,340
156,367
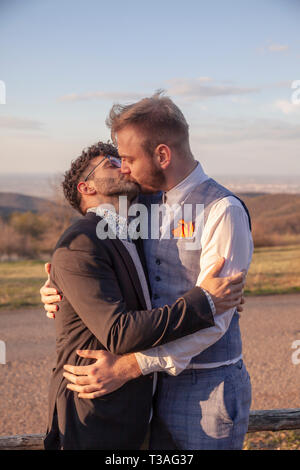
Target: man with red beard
x,y
105,305
203,395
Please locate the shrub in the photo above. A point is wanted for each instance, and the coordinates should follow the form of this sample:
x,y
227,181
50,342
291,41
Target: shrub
x,y
28,223
13,243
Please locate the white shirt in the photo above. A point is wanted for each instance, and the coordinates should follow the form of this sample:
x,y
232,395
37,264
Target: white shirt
x,y
220,237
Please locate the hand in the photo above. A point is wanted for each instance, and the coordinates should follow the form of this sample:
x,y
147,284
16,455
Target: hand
x,y
106,375
49,295
226,292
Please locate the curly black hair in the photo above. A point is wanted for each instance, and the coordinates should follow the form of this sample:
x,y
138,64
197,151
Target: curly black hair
x,y
72,176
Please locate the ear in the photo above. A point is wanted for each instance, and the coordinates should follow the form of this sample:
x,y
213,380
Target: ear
x,y
163,154
86,188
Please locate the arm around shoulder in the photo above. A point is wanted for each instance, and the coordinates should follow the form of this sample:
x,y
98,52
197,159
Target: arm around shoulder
x,y
90,285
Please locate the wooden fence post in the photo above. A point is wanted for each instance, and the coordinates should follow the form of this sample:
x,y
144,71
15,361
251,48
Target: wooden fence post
x,y
260,420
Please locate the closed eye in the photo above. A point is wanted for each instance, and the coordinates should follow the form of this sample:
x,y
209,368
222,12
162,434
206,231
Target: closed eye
x,y
126,159
108,166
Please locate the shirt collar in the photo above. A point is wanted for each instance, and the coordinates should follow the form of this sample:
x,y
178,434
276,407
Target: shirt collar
x,y
117,223
182,189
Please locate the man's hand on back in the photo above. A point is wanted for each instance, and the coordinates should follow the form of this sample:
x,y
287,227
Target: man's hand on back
x,y
109,371
49,295
226,292
104,376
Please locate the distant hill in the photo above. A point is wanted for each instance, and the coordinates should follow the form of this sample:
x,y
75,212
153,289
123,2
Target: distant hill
x,y
279,213
275,218
14,202
251,194
39,185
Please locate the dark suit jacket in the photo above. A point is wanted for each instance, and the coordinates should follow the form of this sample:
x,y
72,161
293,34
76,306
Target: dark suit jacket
x,y
103,307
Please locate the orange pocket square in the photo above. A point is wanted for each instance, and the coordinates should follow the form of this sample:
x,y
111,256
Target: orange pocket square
x,y
184,229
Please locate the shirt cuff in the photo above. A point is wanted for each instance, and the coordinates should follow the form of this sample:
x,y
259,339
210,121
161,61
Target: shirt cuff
x,y
211,302
149,362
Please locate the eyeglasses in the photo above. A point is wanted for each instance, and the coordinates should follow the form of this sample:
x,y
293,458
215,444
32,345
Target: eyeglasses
x,y
115,161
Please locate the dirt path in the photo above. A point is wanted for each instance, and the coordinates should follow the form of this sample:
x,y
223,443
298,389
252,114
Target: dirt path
x,y
269,327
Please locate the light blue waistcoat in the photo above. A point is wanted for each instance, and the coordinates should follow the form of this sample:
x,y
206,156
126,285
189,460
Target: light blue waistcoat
x,y
173,269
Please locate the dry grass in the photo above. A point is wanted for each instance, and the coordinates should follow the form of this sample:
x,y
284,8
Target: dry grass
x,y
275,218
267,440
274,270
20,283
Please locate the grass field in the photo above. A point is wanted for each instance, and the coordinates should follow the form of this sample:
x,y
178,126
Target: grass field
x,y
20,283
274,270
267,440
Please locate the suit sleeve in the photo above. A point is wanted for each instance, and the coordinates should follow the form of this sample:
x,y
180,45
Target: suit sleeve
x,y
89,283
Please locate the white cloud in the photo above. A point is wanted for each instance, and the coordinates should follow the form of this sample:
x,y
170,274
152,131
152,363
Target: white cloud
x,y
281,84
198,89
222,131
234,146
111,96
204,79
189,89
12,122
278,47
287,107
240,100
272,47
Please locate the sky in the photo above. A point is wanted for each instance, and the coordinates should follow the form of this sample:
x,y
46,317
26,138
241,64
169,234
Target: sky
x,y
229,66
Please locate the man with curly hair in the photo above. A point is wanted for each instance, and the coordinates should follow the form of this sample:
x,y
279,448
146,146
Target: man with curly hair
x,y
204,392
105,305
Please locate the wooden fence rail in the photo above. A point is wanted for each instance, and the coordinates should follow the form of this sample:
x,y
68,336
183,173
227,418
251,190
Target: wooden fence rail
x,y
260,420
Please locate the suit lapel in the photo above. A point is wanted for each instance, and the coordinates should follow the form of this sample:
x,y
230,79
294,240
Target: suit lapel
x,y
123,252
140,249
126,257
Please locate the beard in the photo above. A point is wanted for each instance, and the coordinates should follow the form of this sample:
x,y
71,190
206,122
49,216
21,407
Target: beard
x,y
115,187
150,182
154,181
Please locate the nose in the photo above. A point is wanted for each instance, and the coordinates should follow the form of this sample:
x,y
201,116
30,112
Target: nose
x,y
125,168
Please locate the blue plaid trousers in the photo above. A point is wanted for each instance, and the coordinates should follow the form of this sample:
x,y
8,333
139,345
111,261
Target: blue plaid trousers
x,y
202,409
